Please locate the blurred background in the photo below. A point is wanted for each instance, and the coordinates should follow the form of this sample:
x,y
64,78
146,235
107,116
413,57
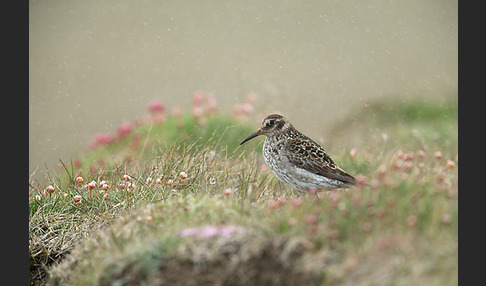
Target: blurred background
x,y
96,64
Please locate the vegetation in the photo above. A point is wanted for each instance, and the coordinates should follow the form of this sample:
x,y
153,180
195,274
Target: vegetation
x,y
191,207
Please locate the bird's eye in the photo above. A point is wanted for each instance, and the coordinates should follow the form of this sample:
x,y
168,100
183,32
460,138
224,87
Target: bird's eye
x,y
271,122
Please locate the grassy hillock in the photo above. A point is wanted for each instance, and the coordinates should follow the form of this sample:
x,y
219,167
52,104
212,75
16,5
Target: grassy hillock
x,y
189,206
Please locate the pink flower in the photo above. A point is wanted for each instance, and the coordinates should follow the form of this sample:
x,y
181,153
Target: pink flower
x,y
251,98
438,155
188,232
450,164
446,219
296,202
101,139
176,111
91,185
77,199
124,129
227,192
240,110
412,221
246,108
272,205
156,106
334,234
312,190
361,180
421,154
197,111
227,231
50,189
77,163
310,219
409,156
366,227
209,231
382,171
211,105
197,98
237,110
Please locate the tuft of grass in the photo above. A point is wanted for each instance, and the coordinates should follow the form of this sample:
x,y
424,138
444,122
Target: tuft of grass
x,y
230,222
388,125
155,252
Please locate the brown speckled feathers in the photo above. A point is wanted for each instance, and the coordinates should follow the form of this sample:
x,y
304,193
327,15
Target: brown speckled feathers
x,y
296,159
308,155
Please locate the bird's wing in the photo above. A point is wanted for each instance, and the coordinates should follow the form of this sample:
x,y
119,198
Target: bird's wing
x,y
310,156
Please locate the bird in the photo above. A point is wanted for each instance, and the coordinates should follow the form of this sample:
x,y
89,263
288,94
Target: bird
x,y
296,159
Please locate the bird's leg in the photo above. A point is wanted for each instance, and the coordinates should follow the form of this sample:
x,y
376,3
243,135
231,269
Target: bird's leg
x,y
279,187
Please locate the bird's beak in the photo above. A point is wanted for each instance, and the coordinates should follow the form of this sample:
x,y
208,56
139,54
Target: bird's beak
x,y
253,135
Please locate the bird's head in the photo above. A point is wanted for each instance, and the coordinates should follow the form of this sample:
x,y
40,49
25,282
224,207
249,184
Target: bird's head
x,y
272,124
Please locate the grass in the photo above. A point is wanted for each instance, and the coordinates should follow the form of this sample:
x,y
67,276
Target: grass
x,y
230,222
414,125
147,139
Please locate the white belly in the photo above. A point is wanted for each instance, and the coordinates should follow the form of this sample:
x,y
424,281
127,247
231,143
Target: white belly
x,y
298,178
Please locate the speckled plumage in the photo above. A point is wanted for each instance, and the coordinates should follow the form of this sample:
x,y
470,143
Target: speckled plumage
x,y
296,159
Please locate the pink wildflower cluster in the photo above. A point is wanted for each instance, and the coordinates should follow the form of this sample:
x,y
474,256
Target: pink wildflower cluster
x,y
170,184
246,108
124,130
104,139
203,103
156,109
103,188
409,167
310,220
101,139
127,184
49,190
